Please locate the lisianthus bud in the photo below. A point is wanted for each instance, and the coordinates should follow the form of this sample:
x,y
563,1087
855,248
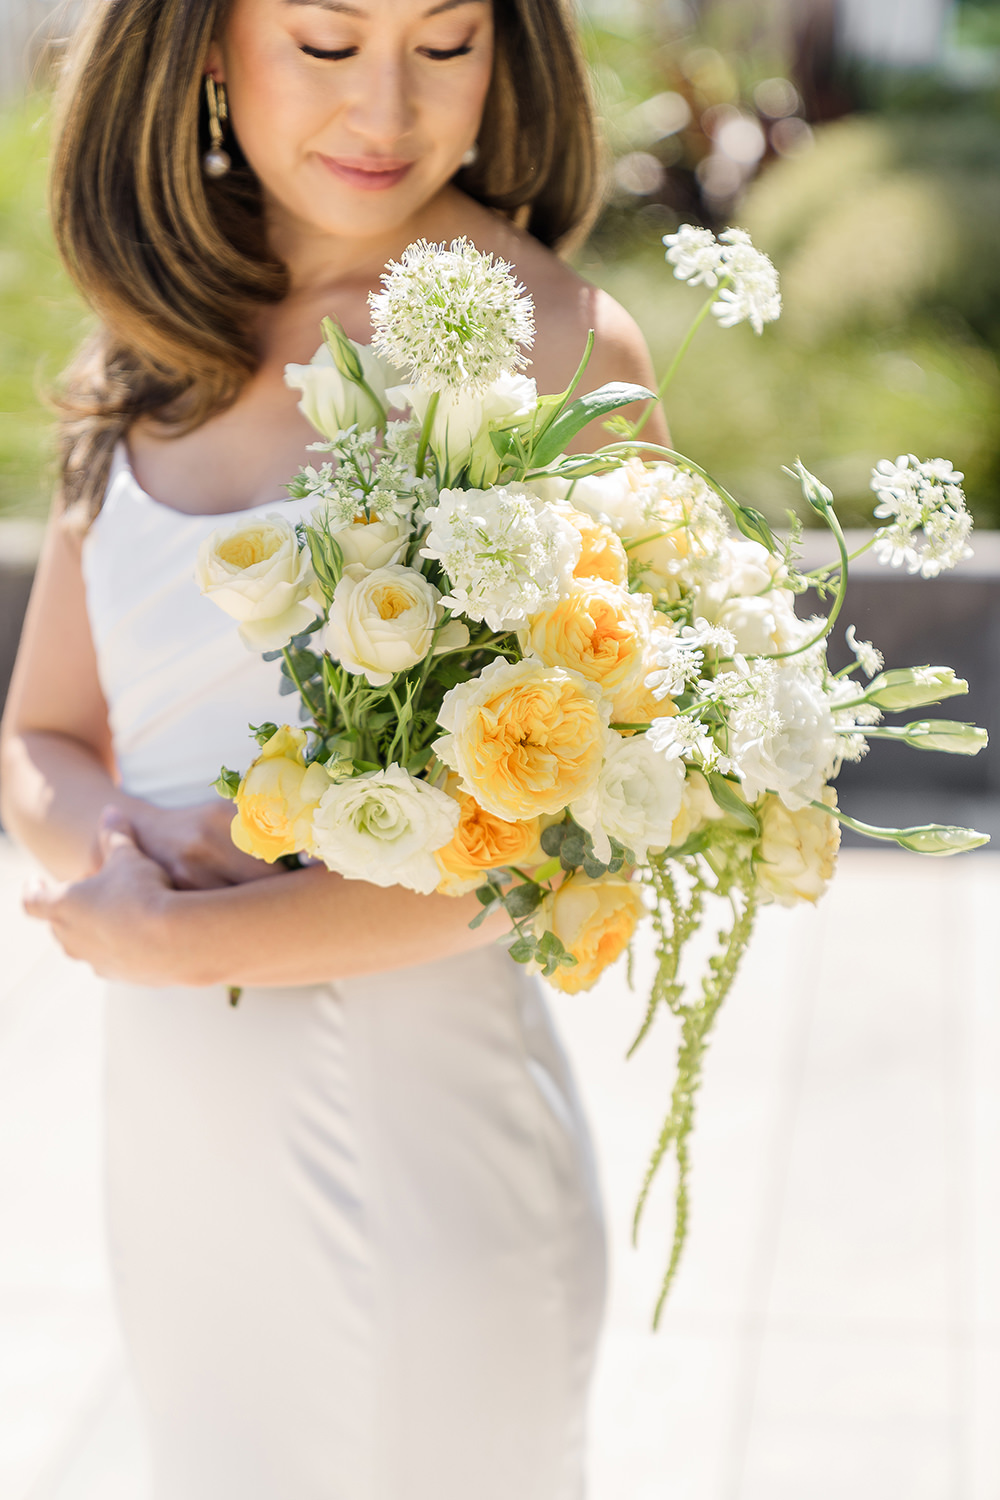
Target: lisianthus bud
x,y
949,735
913,687
332,401
935,838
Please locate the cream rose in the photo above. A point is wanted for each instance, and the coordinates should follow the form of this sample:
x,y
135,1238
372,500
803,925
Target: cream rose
x,y
525,739
597,629
384,827
330,402
383,622
635,800
277,798
257,572
371,544
797,853
595,921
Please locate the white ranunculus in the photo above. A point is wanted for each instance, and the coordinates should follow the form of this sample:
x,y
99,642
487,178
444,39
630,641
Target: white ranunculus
x,y
384,827
257,572
331,402
383,622
372,544
636,798
460,431
789,746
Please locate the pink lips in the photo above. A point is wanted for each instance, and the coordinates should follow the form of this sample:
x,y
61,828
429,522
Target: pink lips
x,y
372,174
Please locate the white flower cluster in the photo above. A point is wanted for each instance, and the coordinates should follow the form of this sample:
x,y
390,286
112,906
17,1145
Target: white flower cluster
x,y
451,316
506,552
680,656
746,278
920,498
365,481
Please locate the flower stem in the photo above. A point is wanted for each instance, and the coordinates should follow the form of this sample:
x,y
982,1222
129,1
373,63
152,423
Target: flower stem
x,y
685,345
830,517
425,433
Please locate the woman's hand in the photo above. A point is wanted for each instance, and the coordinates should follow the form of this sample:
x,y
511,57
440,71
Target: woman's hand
x,y
193,845
116,920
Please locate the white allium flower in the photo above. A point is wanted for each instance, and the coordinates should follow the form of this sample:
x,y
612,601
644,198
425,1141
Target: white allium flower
x,y
636,798
695,255
506,553
870,659
784,740
746,278
451,316
921,497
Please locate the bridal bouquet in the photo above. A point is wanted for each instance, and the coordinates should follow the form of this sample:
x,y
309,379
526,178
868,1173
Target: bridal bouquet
x,y
561,680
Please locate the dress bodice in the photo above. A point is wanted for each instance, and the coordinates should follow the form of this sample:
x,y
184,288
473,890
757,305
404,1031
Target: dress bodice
x,y
180,686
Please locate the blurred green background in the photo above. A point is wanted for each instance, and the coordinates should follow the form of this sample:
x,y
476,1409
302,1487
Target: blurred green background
x,y
873,181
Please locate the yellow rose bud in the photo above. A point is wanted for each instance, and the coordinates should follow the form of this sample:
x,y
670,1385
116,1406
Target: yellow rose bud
x,y
482,842
277,798
525,739
598,629
797,853
601,553
594,920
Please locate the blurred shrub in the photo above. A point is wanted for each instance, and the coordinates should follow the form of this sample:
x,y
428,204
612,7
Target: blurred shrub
x,y
40,318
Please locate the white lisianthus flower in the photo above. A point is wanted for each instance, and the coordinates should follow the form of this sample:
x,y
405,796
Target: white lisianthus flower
x,y
636,798
460,430
383,622
257,572
797,853
384,827
370,544
330,401
930,525
506,553
783,738
452,317
765,623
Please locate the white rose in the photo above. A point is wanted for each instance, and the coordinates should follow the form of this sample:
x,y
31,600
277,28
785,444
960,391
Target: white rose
x,y
636,799
383,622
741,568
459,433
794,756
257,572
764,623
372,544
797,853
331,402
384,828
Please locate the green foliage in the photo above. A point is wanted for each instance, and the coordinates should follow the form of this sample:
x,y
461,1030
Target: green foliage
x,y
40,317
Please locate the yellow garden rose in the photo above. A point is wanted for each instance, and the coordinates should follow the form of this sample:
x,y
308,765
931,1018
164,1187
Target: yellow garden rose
x,y
601,553
482,842
594,920
255,570
598,629
277,798
797,854
525,739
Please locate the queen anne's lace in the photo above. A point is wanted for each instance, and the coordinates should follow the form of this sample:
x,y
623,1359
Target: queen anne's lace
x,y
746,278
451,317
924,502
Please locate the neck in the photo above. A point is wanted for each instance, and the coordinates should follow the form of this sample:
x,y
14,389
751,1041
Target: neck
x,y
318,260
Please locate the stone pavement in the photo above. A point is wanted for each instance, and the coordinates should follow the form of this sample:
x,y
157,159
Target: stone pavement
x,y
834,1333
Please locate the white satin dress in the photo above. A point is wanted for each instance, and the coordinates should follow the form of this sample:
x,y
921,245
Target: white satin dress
x,y
355,1229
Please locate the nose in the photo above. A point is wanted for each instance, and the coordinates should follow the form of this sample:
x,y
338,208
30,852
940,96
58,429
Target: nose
x,y
381,111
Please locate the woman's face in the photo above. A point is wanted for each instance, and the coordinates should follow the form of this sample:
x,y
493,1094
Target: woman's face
x,y
354,113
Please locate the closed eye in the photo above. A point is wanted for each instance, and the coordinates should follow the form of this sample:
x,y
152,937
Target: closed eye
x,y
341,54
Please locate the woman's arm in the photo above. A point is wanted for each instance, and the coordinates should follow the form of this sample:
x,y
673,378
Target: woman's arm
x,y
56,768
307,927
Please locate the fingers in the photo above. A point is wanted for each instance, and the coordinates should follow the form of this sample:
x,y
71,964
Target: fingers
x,y
114,832
40,898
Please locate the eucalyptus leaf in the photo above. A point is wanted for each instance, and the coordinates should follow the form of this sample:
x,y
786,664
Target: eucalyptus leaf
x,y
522,900
523,951
552,837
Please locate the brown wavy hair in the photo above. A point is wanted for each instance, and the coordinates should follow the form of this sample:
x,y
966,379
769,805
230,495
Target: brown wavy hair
x,y
175,265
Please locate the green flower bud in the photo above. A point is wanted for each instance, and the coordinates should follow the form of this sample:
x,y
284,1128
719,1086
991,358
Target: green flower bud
x,y
936,838
913,687
819,496
936,734
345,356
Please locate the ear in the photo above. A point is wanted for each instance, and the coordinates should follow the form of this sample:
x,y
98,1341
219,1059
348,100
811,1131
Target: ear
x,y
214,64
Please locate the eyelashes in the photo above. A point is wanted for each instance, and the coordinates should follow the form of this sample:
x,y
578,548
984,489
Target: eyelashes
x,y
341,54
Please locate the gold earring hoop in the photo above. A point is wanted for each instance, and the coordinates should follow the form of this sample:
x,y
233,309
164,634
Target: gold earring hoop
x,y
216,161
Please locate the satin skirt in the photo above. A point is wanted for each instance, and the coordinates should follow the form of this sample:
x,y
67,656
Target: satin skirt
x,y
356,1237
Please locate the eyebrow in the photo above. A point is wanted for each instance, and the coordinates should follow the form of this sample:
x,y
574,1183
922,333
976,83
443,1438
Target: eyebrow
x,y
341,7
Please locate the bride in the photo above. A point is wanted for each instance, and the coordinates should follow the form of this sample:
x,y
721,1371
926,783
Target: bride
x,y
354,1226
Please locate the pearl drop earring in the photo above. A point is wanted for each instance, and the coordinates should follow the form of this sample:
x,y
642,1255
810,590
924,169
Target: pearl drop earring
x,y
216,161
471,156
